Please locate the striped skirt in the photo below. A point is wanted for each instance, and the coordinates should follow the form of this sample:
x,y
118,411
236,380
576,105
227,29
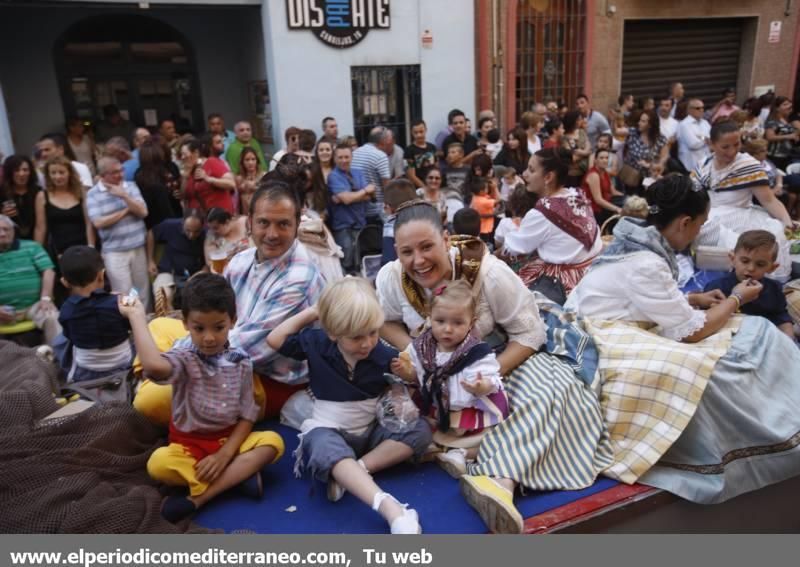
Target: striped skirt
x,y
568,274
555,437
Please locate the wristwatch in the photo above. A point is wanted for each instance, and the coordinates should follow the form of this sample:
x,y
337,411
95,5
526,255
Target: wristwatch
x,y
46,298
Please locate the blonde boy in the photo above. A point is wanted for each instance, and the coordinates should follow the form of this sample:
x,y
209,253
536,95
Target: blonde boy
x,y
342,443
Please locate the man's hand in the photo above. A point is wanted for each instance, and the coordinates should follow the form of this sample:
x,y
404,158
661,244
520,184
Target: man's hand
x,y
152,269
117,190
200,174
481,386
369,189
209,468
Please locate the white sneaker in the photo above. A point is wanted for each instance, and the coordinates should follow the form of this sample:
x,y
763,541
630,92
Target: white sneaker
x,y
407,523
454,462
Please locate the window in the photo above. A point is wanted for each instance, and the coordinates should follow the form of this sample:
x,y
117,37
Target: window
x,y
386,96
551,46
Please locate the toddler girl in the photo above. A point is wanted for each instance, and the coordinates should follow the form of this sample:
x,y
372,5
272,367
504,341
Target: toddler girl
x,y
458,374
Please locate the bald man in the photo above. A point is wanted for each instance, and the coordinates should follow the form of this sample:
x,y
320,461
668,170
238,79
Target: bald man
x,y
244,139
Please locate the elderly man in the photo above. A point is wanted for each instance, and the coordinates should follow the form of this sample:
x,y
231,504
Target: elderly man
x,y
244,139
693,136
117,209
25,289
53,145
273,281
373,162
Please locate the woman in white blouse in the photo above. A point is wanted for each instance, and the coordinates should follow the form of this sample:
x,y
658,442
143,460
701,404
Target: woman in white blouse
x,y
560,229
740,436
506,316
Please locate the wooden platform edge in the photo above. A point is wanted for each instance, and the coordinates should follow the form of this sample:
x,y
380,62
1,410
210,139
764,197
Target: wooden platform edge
x,y
586,508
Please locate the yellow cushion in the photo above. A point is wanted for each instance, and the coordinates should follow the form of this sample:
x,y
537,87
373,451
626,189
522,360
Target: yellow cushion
x,y
165,332
19,327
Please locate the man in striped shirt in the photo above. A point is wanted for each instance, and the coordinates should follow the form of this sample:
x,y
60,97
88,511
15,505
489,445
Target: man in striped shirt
x,y
373,162
117,209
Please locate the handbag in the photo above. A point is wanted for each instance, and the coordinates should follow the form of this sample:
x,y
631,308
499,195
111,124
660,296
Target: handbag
x,y
116,387
630,176
550,287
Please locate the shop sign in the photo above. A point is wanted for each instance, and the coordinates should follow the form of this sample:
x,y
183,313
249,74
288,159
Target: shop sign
x,y
338,23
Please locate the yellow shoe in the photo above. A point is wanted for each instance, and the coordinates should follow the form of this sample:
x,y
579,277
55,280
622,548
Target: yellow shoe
x,y
494,503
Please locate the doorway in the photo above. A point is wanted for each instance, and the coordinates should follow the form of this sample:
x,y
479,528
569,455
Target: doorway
x,y
137,63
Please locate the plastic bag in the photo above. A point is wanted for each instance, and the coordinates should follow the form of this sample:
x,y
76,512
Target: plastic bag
x,y
396,410
297,409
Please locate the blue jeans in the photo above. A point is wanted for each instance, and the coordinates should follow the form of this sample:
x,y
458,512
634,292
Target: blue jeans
x,y
346,239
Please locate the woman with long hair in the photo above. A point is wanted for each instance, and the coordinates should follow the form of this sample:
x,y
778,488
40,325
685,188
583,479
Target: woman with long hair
x,y
780,134
62,219
153,178
644,146
515,151
576,141
20,186
250,173
324,157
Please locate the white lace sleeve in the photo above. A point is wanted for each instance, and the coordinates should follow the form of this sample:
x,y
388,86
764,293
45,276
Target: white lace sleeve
x,y
512,305
653,291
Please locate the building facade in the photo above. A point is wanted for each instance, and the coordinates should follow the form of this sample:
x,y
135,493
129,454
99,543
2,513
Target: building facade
x,y
537,50
276,63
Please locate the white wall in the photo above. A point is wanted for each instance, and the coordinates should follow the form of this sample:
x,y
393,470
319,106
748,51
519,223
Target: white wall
x,y
310,80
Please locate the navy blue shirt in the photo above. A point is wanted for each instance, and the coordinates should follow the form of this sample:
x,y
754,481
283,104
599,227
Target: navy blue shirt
x,y
180,254
94,321
327,370
770,303
346,216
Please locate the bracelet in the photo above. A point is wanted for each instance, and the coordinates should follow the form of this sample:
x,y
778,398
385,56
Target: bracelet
x,y
738,297
46,298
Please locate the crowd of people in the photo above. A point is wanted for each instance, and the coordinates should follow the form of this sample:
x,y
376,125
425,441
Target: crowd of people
x,y
485,243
